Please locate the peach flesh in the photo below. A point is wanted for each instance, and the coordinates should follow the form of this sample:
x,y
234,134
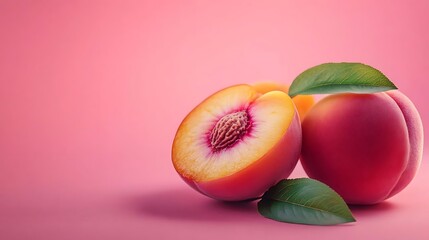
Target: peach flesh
x,y
254,180
362,144
303,103
237,143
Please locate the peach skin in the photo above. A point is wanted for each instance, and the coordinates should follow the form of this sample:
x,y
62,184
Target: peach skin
x,y
237,143
367,147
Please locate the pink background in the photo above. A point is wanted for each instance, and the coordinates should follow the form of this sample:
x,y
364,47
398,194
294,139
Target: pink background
x,y
92,92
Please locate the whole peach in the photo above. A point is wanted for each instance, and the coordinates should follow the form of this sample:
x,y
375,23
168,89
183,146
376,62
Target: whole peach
x,y
367,147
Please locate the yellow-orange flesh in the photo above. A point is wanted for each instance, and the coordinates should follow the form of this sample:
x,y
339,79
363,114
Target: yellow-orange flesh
x,y
303,103
260,119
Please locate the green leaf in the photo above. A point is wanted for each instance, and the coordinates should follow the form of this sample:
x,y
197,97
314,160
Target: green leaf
x,y
340,78
304,201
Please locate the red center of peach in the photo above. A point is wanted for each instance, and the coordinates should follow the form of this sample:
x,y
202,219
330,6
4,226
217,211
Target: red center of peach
x,y
228,130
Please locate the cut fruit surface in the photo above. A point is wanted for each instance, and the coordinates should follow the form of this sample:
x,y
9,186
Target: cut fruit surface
x,y
231,130
269,117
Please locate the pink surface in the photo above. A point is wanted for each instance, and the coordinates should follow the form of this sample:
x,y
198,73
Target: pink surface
x,y
91,94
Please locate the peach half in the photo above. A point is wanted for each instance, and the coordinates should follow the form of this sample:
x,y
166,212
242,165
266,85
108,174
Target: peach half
x,y
237,143
367,147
